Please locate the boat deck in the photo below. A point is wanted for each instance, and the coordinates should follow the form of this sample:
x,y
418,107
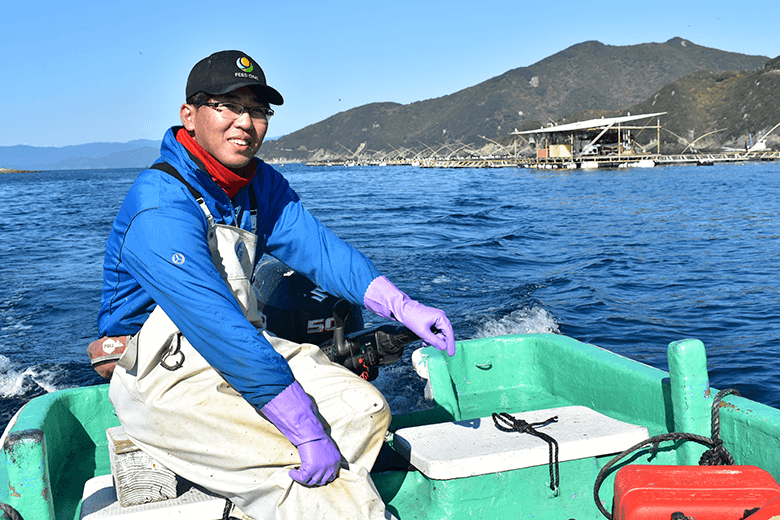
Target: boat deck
x,y
58,441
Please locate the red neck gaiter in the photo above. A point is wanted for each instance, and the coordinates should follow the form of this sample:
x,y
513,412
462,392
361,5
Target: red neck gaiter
x,y
229,180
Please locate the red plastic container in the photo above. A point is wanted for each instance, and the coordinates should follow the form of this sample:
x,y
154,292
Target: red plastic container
x,y
701,492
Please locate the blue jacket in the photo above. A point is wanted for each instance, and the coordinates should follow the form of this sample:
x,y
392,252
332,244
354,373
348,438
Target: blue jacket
x,y
160,218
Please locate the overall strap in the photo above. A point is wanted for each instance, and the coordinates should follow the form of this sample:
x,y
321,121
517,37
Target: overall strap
x,y
173,172
253,210
170,170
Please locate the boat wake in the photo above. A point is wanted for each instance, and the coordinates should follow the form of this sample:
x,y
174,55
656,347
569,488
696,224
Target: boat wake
x,y
19,383
529,320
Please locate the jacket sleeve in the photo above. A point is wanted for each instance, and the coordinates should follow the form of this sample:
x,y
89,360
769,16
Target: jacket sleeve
x,y
297,238
302,242
166,250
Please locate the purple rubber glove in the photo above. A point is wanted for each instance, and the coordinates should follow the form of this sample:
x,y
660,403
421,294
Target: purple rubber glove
x,y
386,300
292,412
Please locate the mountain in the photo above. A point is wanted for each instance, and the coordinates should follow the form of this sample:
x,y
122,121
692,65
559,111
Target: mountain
x,y
586,76
712,110
137,153
135,158
702,89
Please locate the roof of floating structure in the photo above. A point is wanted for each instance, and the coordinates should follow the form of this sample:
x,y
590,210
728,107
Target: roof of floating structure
x,y
589,124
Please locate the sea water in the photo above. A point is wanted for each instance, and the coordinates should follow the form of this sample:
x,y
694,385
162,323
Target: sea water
x,y
627,259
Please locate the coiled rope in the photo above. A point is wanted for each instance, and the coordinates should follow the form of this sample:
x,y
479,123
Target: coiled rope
x,y
717,455
507,423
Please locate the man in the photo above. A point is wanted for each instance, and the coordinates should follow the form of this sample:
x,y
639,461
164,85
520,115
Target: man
x,y
270,424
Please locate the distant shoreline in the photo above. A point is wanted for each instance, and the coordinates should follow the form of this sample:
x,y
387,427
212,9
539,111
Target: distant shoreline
x,y
9,170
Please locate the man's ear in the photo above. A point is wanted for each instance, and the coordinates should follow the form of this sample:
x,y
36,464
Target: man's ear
x,y
187,114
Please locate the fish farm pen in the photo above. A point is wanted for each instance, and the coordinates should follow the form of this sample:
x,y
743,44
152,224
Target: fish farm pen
x,y
560,163
595,143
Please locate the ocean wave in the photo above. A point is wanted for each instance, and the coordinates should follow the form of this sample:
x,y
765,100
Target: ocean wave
x,y
529,320
16,326
15,382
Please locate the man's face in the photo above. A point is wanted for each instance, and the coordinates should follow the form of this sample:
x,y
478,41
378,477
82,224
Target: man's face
x,y
231,141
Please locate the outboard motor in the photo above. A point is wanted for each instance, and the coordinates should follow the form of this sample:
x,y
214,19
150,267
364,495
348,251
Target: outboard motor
x,y
297,310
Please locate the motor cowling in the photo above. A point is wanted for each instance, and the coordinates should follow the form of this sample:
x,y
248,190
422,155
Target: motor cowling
x,y
295,308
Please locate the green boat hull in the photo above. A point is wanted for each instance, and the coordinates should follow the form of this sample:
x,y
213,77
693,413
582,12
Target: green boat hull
x,y
57,442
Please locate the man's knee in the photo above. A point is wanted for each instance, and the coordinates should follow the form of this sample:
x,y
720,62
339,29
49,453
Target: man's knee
x,y
379,410
363,397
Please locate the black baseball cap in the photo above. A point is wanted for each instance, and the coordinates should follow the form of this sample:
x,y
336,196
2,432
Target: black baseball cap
x,y
226,71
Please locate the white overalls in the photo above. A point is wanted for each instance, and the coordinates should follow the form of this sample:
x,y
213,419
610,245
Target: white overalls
x,y
180,411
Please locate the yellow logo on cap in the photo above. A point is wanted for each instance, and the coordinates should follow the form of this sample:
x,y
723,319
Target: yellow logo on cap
x,y
244,64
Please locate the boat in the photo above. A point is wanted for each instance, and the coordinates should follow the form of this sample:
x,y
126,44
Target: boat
x,y
616,426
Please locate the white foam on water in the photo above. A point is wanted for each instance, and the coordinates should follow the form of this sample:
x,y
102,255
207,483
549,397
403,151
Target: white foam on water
x,y
16,326
531,320
17,383
428,286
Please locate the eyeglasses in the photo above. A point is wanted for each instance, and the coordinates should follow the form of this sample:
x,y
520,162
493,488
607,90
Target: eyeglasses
x,y
230,110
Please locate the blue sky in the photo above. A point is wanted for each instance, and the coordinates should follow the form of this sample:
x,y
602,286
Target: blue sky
x,y
81,72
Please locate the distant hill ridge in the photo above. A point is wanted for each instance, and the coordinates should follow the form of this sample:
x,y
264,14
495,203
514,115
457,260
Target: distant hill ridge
x,y
137,153
587,76
710,110
583,81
